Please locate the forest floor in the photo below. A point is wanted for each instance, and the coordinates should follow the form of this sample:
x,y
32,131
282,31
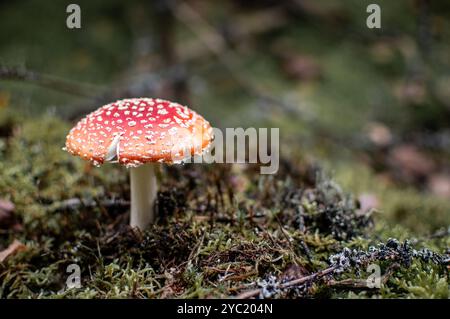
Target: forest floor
x,y
223,230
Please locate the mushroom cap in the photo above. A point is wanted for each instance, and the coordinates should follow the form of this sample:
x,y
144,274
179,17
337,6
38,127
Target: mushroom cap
x,y
140,130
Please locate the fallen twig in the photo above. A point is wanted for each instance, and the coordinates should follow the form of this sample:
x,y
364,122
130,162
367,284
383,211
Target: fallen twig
x,y
48,81
295,282
362,283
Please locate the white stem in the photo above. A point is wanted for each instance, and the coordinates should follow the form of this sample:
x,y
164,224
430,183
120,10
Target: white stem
x,y
143,193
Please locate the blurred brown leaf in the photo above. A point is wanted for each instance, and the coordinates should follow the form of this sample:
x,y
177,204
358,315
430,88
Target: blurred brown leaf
x,y
15,247
301,67
382,52
379,134
4,99
439,184
414,92
367,202
410,162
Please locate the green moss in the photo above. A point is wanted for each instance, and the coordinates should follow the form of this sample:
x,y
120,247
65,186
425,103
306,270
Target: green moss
x,y
222,229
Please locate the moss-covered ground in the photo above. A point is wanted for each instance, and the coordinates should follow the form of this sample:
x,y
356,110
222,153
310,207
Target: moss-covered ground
x,y
222,230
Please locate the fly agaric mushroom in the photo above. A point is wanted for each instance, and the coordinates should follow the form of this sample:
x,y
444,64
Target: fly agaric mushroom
x,y
140,133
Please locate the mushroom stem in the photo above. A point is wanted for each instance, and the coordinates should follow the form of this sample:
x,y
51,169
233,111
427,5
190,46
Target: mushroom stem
x,y
143,193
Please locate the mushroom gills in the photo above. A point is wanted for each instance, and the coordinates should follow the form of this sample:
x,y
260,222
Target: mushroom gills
x,y
112,155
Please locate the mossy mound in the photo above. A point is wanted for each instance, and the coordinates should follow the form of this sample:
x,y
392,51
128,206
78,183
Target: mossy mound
x,y
222,230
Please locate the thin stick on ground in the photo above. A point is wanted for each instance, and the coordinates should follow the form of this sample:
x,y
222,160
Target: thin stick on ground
x,y
298,281
362,283
48,81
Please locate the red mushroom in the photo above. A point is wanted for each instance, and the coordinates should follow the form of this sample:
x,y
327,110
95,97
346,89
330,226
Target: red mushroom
x,y
139,131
